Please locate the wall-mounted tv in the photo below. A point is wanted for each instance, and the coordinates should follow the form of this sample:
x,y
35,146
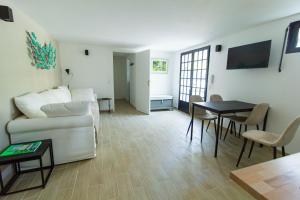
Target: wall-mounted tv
x,y
249,56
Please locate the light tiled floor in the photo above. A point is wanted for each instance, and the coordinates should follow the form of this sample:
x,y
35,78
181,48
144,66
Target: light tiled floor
x,y
148,157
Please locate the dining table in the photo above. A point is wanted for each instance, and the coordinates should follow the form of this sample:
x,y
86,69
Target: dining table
x,y
223,107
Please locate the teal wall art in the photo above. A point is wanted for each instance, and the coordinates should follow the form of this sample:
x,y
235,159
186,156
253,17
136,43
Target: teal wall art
x,y
42,56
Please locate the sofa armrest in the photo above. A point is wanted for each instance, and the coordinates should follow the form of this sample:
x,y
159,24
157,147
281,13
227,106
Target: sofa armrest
x,y
40,124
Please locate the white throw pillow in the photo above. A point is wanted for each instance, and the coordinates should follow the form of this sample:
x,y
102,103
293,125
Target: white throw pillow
x,y
65,93
30,105
62,95
50,97
66,109
83,95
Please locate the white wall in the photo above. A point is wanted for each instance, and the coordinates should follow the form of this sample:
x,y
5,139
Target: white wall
x,y
17,75
280,90
94,71
120,77
162,84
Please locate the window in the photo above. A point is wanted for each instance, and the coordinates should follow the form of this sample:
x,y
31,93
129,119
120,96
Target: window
x,y
193,76
293,43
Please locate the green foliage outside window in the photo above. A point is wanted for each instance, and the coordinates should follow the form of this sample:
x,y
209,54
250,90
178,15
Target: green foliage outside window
x,y
159,66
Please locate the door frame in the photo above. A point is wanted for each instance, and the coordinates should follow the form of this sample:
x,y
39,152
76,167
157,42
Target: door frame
x,y
186,110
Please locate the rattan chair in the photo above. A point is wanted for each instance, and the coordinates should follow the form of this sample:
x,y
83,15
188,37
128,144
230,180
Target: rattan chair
x,y
199,113
270,139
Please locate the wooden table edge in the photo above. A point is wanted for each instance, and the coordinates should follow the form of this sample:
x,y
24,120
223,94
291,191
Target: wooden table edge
x,y
246,187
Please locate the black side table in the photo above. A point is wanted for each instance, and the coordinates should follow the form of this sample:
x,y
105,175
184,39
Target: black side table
x,y
17,159
106,99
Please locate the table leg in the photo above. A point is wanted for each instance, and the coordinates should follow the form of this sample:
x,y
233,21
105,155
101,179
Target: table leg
x,y
1,181
15,167
42,172
217,135
265,121
192,122
109,105
51,154
221,132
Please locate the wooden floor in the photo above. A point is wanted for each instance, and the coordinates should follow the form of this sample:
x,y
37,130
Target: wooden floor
x,y
148,157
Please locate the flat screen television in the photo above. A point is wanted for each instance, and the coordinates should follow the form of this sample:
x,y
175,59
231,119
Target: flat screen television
x,y
249,56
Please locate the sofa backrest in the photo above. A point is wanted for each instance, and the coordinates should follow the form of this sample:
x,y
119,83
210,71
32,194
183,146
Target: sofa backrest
x,y
83,94
59,95
30,103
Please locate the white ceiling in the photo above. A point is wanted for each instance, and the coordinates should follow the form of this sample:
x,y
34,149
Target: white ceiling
x,y
158,24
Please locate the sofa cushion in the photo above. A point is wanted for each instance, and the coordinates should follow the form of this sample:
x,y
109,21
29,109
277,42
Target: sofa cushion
x,y
65,92
49,97
59,95
83,95
30,105
66,109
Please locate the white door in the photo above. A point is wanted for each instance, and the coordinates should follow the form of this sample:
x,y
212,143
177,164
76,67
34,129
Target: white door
x,y
142,85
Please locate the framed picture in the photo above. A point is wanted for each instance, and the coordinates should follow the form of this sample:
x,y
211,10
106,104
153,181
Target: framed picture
x,y
159,66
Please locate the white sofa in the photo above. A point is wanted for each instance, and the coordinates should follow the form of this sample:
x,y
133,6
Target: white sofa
x,y
73,136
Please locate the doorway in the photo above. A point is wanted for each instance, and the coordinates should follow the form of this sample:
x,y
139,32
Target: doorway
x,y
121,66
194,66
131,79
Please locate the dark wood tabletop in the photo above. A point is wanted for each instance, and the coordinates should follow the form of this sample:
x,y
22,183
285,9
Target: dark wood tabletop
x,y
226,106
26,156
15,160
220,108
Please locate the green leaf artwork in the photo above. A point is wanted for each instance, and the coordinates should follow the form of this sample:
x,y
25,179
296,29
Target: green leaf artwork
x,y
160,66
42,56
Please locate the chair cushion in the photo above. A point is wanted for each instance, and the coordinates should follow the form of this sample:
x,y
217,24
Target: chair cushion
x,y
66,109
30,105
262,137
228,115
206,116
238,118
